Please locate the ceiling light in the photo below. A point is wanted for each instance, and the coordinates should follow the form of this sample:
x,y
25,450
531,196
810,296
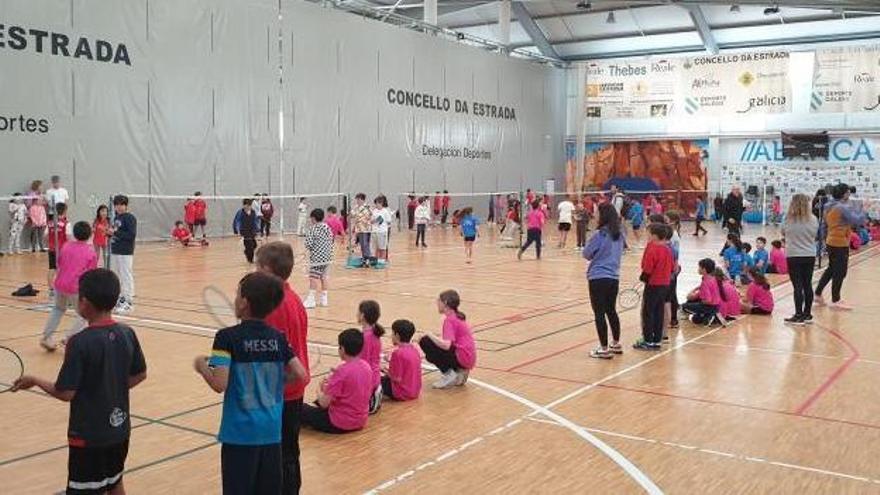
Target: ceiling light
x,y
584,5
771,10
734,9
610,19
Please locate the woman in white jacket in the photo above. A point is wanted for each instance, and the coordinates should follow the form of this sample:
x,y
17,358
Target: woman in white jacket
x,y
423,218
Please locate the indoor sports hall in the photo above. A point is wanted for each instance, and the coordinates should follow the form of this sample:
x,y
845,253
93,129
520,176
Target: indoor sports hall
x,y
378,246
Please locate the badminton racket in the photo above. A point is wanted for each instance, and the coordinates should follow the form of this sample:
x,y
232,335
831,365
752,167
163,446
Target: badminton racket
x,y
11,368
630,297
222,310
219,306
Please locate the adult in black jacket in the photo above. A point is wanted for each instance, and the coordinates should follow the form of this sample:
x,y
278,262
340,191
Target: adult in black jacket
x,y
733,210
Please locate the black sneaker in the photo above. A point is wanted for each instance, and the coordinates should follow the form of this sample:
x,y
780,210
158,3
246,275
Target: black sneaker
x,y
808,319
795,320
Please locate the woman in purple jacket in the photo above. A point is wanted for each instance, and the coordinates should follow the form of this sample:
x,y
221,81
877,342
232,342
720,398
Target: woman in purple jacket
x,y
603,276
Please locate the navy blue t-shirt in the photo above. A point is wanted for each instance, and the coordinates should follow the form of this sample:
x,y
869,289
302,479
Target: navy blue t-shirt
x,y
126,232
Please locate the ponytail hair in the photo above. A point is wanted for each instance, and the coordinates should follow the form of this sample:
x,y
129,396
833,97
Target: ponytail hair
x,y
720,278
452,300
735,241
371,313
759,278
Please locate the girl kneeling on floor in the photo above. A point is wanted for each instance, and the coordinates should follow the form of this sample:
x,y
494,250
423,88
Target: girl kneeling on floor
x,y
455,353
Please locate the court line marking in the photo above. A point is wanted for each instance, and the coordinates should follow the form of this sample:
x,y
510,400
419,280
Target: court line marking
x,y
643,480
835,376
759,460
628,467
744,348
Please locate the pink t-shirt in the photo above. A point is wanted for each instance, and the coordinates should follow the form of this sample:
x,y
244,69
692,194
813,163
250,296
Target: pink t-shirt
x,y
335,224
350,388
459,333
730,307
372,354
405,370
709,293
758,296
535,219
777,259
75,259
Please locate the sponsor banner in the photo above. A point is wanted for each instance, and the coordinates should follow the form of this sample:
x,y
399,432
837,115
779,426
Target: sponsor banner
x,y
842,150
631,90
847,79
743,83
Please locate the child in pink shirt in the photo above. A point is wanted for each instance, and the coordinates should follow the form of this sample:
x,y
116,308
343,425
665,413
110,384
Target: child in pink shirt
x,y
759,299
343,401
703,302
368,317
74,259
535,223
335,223
455,353
730,304
855,242
778,262
403,377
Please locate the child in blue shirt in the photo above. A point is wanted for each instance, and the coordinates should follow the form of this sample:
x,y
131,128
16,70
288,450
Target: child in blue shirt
x,y
748,264
637,217
761,256
250,363
700,217
864,235
733,256
469,228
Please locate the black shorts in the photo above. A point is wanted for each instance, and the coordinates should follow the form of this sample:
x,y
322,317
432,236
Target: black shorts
x,y
53,263
201,221
470,238
249,469
387,390
564,226
637,227
95,469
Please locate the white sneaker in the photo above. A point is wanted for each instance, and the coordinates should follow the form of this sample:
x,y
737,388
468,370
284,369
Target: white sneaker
x,y
461,377
324,300
309,303
446,380
123,307
48,343
376,400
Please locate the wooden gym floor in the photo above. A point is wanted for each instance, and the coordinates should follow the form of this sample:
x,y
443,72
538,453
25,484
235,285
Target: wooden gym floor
x,y
754,408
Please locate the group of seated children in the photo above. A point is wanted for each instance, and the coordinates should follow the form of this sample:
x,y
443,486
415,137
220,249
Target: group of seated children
x,y
356,389
862,235
740,261
718,300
